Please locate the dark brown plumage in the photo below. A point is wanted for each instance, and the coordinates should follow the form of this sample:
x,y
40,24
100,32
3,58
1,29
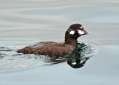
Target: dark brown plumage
x,y
54,49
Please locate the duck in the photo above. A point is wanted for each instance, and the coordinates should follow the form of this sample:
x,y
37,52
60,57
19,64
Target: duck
x,y
57,50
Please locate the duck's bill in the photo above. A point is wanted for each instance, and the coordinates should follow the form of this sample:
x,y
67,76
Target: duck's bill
x,y
82,32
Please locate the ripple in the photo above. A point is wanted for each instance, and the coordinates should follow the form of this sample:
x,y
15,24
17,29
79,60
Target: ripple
x,y
11,61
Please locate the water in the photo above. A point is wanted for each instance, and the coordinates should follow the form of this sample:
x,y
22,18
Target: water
x,y
25,22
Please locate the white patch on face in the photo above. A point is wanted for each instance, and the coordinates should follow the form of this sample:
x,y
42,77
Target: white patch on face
x,y
81,27
81,32
72,32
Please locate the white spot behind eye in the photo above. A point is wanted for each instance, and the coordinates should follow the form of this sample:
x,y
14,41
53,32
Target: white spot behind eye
x,y
72,32
81,32
81,27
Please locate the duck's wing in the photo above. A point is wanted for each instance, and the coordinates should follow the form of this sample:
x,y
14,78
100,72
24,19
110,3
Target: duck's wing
x,y
29,49
54,50
47,48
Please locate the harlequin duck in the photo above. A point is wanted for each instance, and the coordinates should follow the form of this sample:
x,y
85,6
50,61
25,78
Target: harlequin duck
x,y
57,50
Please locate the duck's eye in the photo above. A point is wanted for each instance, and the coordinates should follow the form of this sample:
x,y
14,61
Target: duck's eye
x,y
81,32
72,32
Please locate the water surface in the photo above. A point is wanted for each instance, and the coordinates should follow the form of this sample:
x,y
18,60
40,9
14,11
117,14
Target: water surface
x,y
24,22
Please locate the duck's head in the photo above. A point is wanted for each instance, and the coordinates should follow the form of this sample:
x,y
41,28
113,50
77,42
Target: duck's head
x,y
74,32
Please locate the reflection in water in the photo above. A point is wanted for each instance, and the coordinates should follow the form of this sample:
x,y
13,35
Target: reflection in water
x,y
11,61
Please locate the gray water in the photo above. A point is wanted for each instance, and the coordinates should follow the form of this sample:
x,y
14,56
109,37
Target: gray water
x,y
25,22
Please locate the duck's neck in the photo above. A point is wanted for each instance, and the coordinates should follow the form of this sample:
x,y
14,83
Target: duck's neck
x,y
71,41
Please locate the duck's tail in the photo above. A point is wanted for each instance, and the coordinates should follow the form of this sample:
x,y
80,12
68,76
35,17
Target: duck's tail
x,y
26,50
